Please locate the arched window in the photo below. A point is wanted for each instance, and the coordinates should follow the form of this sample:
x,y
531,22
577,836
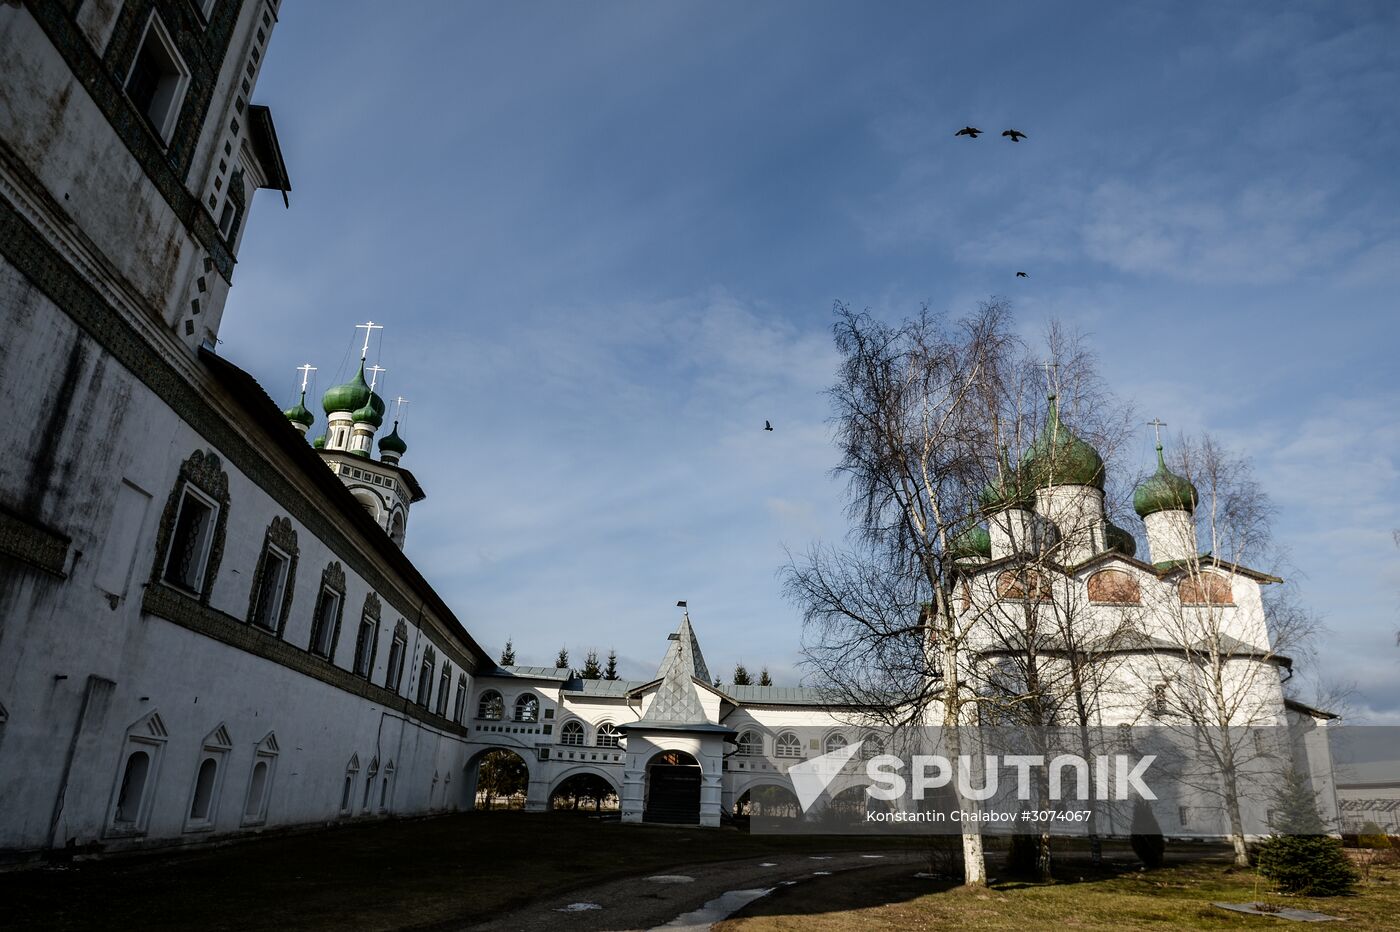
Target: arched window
x,y
131,797
609,736
204,790
750,744
1206,589
1114,586
572,734
527,709
369,783
397,529
788,745
260,781
1024,584
384,786
347,791
204,799
872,747
490,707
836,742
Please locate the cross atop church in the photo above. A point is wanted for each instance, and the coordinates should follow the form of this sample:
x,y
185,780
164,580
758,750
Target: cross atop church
x,y
399,402
374,375
1157,424
1052,376
368,327
305,371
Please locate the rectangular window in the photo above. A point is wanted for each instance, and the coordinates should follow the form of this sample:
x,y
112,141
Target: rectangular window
x,y
156,83
444,687
189,544
364,646
395,672
326,609
272,587
1159,698
459,708
425,682
226,218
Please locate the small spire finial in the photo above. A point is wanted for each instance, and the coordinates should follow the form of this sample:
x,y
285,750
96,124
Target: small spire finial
x,y
399,402
1052,378
305,371
368,327
374,372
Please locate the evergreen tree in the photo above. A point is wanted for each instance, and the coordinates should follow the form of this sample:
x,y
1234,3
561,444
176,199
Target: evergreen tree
x,y
741,676
508,655
718,682
592,669
1298,856
562,661
1147,841
610,671
763,678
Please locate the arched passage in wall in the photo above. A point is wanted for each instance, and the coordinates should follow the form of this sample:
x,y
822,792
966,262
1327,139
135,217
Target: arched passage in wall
x,y
768,800
673,789
584,789
497,778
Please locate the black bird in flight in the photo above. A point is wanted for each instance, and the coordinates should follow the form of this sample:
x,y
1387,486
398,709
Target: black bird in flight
x,y
972,131
767,426
1015,135
1022,275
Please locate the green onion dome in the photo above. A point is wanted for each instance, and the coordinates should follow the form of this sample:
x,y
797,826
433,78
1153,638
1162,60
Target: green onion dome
x,y
393,443
1007,490
1120,540
970,544
298,414
1164,490
372,412
1058,457
350,396
320,442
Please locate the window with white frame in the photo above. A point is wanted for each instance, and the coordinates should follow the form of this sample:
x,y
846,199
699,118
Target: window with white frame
x,y
365,643
325,626
835,742
188,556
750,744
385,785
527,709
369,783
157,80
136,775
272,588
490,706
788,745
398,650
260,781
873,746
209,778
571,734
347,788
608,736
444,687
459,705
425,677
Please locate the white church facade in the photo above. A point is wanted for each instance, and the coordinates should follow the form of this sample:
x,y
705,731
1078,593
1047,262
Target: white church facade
x,y
208,626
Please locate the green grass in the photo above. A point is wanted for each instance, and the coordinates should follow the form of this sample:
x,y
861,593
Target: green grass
x,y
1178,896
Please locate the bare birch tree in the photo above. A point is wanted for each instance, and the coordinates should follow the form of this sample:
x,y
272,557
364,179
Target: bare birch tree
x,y
915,409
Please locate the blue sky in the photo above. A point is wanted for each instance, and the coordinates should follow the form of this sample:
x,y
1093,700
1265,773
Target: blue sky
x,y
605,239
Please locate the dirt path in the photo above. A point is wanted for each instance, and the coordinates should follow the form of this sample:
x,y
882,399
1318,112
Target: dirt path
x,y
677,897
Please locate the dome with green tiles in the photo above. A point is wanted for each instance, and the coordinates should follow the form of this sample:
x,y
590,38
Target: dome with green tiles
x,y
298,414
1059,457
392,443
1164,490
1120,540
319,443
351,396
970,544
1007,490
372,412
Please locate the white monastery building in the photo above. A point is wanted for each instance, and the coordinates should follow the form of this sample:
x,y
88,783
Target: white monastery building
x,y
208,626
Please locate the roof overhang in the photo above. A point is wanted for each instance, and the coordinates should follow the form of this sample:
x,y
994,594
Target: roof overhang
x,y
263,135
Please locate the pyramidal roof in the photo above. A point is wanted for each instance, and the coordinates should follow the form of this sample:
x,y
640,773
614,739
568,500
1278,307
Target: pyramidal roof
x,y
676,701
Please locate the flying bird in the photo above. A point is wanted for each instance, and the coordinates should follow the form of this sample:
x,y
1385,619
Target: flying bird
x,y
1015,135
972,131
767,426
1022,275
